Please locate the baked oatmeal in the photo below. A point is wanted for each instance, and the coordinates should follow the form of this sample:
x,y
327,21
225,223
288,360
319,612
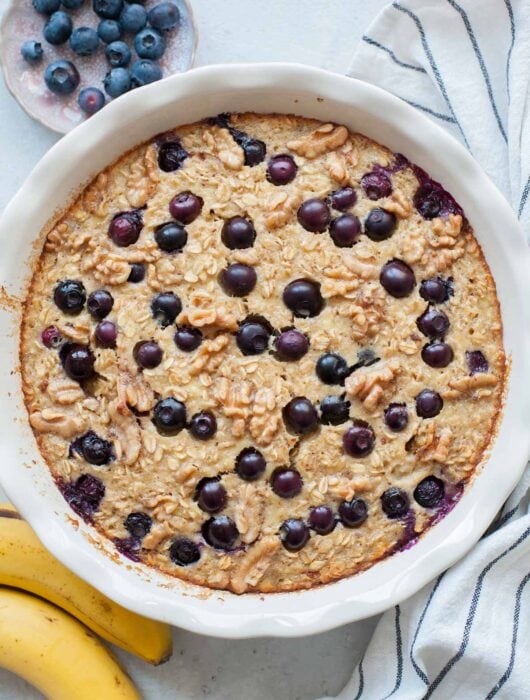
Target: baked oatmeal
x,y
261,353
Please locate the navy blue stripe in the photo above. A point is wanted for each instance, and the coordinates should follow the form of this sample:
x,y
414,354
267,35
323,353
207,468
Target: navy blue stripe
x,y
399,653
524,197
392,55
482,65
443,117
471,615
509,57
432,62
503,520
515,629
418,670
361,680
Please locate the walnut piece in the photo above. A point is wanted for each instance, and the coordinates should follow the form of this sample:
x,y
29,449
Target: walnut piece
x,y
51,421
235,399
477,381
143,177
431,443
127,432
108,268
95,197
369,383
64,391
282,207
326,138
202,311
399,204
135,392
336,166
248,514
366,312
266,420
223,146
255,563
210,355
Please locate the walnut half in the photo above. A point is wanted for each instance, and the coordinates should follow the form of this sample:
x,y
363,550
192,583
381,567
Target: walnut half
x,y
369,383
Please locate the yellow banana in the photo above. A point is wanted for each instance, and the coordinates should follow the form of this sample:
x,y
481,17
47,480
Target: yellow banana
x,y
26,564
55,653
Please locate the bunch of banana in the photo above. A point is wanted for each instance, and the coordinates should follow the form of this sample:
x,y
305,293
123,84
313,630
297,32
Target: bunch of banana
x,y
48,647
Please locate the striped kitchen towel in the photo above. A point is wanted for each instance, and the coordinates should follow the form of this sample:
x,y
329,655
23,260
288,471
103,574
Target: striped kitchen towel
x,y
466,636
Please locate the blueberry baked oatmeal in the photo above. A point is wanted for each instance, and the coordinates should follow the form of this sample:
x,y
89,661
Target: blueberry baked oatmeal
x,y
262,353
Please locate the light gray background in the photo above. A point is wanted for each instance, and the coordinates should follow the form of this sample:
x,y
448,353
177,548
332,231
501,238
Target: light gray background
x,y
321,33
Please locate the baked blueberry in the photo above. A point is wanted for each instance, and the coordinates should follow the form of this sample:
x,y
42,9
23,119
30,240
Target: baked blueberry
x,y
300,415
58,28
133,17
376,184
95,449
428,403
253,337
343,198
281,169
91,100
185,207
250,464
84,41
359,439
291,345
171,237
331,368
169,416
395,502
437,354
220,532
433,323
31,51
314,215
396,417
147,354
435,290
108,9
100,303
46,7
83,495
118,54
430,492
345,230
211,495
171,155
322,520
164,16
138,524
238,280
203,425
148,43
165,308
51,338
184,551
78,361
354,512
61,77
137,273
117,82
334,410
431,200
286,482
109,30
70,296
72,4
106,334
188,338
294,534
380,224
125,228
303,298
238,233
397,278
476,362
144,71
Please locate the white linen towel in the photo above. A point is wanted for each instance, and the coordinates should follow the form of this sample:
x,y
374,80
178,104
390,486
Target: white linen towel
x,y
467,636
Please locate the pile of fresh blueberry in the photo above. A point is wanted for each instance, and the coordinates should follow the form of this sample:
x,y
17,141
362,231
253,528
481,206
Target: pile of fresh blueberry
x,y
123,28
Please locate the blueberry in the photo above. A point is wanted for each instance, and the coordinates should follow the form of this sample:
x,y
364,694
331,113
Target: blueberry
x,y
203,425
149,44
476,362
314,215
211,495
435,290
286,482
294,534
429,492
164,16
437,354
106,334
220,532
91,100
78,361
397,278
291,345
345,230
395,502
84,41
165,308
58,28
359,439
250,464
144,71
253,337
133,17
303,298
334,410
380,224
46,7
169,416
117,82
95,450
322,520
431,199
70,296
125,228
184,551
171,156
109,30
396,417
108,9
238,280
185,207
428,403
343,199
137,273
31,51
433,323
147,354
100,304
84,495
51,338
353,513
238,233
61,77
300,415
331,368
130,547
281,169
118,55
376,184
72,4
138,524
171,237
187,338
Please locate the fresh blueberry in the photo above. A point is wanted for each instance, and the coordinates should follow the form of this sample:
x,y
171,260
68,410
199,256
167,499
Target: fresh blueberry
x,y
300,415
31,51
238,233
376,184
84,41
70,296
100,304
334,410
238,280
314,215
397,278
303,298
294,534
286,482
171,156
203,425
380,224
220,532
117,82
164,16
291,345
433,323
322,520
437,354
171,237
343,199
359,439
184,551
78,361
429,492
109,30
476,362
125,228
281,169
138,525
106,334
72,4
144,71
137,273
148,43
395,502
61,77
353,513
345,230
169,416
331,368
396,416
250,464
133,17
147,354
58,28
435,290
108,9
83,495
46,7
95,450
185,207
118,54
211,495
253,337
51,338
428,403
187,338
165,308
91,100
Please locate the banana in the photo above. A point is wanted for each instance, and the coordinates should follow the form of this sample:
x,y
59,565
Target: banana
x,y
26,564
55,653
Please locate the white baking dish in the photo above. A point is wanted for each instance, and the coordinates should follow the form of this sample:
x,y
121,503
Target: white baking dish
x,y
262,88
